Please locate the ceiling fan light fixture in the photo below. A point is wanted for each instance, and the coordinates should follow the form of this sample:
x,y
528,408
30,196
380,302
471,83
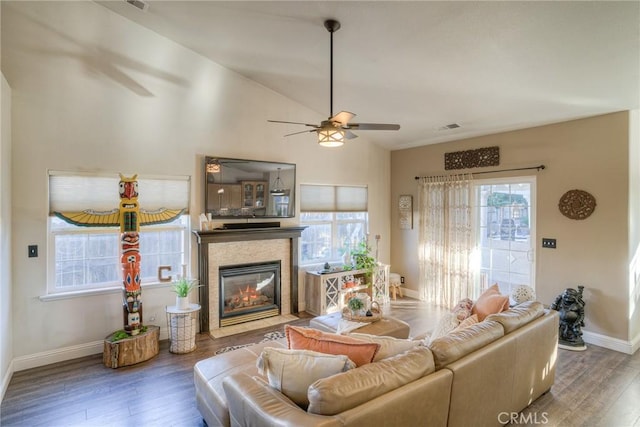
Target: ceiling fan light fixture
x,y
332,137
213,167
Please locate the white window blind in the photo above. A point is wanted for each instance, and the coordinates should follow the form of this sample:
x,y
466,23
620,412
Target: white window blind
x,y
73,192
332,198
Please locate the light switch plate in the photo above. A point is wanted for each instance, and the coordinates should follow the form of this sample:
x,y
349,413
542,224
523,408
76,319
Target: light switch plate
x,y
548,243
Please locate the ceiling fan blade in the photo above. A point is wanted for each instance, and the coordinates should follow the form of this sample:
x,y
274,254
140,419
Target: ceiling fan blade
x,y
291,123
349,135
374,126
303,131
342,117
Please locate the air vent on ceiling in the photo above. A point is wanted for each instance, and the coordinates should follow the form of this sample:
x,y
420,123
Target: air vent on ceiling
x,y
142,5
450,126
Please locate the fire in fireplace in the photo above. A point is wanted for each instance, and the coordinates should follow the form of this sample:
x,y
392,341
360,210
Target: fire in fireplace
x,y
249,292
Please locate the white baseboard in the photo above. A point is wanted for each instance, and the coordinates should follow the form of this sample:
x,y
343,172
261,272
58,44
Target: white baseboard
x,y
21,363
615,344
410,293
6,380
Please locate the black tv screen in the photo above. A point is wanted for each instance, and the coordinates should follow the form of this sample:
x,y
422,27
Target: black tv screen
x,y
242,188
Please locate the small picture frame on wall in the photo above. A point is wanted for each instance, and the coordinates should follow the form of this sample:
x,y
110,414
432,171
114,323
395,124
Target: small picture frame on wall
x,y
405,209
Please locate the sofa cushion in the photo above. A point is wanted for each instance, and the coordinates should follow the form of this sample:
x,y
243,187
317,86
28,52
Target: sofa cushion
x,y
336,394
459,343
518,316
489,302
209,374
389,346
447,323
360,352
471,320
292,371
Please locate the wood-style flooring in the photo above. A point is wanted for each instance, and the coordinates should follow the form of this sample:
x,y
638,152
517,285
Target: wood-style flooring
x,y
597,387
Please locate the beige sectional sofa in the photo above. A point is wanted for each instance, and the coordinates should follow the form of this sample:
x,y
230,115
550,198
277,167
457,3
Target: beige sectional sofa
x,y
478,375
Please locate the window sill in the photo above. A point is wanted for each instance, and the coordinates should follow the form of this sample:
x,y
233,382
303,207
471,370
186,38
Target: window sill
x,y
100,291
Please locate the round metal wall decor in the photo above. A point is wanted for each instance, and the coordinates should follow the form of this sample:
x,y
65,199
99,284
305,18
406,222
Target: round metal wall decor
x,y
577,204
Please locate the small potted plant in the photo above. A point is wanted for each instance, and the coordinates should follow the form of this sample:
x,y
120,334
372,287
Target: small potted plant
x,y
182,287
356,306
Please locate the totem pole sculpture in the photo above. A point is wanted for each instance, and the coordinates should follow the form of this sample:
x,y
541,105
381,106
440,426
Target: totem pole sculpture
x,y
129,217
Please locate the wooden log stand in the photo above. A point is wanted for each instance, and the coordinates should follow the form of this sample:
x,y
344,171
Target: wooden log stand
x,y
131,350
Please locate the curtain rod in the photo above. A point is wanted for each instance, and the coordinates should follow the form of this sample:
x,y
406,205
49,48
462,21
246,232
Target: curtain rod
x,y
540,167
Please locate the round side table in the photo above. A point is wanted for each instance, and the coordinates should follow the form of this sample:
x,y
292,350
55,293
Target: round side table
x,y
182,325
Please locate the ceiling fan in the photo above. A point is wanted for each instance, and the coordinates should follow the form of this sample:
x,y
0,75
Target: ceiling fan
x,y
337,128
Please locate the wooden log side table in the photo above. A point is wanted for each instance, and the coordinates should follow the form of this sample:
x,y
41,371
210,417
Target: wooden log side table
x,y
131,350
183,325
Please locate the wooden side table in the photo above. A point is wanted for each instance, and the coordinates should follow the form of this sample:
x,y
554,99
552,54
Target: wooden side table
x,y
131,350
182,326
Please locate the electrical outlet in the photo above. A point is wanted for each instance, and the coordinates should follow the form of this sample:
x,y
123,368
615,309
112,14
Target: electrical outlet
x,y
33,251
548,243
401,279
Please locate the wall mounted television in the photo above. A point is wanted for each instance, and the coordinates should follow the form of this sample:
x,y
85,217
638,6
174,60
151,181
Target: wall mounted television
x,y
242,188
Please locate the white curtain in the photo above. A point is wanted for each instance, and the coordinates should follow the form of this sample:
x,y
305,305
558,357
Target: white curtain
x,y
445,239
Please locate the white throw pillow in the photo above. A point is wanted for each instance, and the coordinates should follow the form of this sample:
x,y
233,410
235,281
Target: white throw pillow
x,y
291,372
522,293
447,323
389,346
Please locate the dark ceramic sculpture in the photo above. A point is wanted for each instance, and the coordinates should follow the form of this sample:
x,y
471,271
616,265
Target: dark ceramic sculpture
x,y
570,306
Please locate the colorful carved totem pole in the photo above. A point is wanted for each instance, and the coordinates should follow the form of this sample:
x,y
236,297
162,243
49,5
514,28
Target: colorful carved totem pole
x,y
129,217
130,258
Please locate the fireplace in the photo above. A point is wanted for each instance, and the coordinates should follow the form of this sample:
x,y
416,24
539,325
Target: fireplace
x,y
227,247
249,292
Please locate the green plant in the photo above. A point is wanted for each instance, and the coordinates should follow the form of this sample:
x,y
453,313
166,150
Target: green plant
x,y
362,258
122,334
355,304
183,286
119,335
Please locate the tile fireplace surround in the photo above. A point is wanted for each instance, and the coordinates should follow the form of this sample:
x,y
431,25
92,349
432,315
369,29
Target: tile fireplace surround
x,y
243,246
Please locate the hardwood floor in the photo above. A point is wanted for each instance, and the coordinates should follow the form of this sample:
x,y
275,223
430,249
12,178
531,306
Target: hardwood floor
x,y
597,387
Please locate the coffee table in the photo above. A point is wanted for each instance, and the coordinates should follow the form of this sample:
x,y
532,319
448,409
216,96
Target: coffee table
x,y
387,326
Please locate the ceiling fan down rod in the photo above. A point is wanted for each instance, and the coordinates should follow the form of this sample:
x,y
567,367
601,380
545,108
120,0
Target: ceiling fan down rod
x,y
332,26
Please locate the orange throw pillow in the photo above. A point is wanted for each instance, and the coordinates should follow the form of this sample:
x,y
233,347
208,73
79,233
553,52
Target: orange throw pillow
x,y
360,352
490,302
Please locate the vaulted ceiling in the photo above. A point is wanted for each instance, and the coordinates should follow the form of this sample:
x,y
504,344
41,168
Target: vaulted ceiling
x,y
486,66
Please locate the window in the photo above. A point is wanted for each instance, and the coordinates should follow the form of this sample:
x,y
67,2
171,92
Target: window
x,y
336,219
83,258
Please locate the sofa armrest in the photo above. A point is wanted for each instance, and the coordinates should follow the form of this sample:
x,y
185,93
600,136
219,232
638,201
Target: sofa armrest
x,y
252,402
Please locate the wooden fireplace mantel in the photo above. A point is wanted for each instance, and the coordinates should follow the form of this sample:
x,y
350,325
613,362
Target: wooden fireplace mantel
x,y
204,238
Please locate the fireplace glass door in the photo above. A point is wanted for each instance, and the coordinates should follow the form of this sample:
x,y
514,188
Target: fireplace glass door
x,y
249,292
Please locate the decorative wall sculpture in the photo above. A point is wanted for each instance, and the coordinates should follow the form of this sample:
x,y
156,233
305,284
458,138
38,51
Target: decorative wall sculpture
x,y
487,156
129,217
577,204
405,210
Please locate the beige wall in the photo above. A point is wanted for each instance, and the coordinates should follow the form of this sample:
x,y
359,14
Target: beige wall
x,y
634,226
94,91
590,154
6,312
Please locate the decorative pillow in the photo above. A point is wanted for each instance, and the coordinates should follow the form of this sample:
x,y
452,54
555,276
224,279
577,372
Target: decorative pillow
x,y
291,372
447,323
360,352
389,346
522,294
491,301
463,309
471,320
